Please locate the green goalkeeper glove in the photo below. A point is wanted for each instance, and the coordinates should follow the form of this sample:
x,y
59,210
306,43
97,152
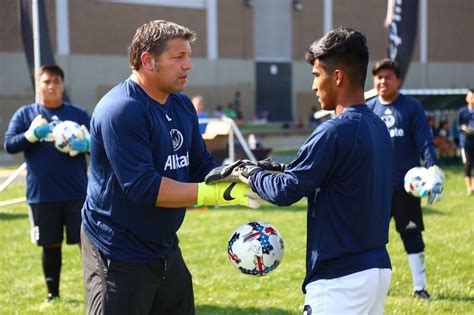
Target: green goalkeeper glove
x,y
227,194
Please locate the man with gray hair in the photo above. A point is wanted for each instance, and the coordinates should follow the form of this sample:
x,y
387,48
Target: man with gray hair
x,y
147,158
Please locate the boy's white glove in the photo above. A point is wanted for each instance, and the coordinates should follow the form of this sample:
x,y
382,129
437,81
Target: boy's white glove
x,y
39,129
81,142
435,184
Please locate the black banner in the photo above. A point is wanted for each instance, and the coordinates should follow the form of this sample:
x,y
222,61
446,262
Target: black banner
x,y
402,33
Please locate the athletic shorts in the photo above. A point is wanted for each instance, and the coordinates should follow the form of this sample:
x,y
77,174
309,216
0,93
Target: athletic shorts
x,y
406,211
162,287
47,222
362,292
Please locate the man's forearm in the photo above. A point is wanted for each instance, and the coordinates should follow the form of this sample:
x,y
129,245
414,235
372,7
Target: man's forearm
x,y
174,194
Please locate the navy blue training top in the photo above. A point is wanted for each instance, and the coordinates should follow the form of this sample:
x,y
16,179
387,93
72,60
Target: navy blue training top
x,y
465,117
134,142
407,123
345,170
52,176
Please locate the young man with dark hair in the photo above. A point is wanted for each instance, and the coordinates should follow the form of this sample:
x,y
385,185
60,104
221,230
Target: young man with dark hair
x,y
344,169
411,138
56,182
465,123
147,158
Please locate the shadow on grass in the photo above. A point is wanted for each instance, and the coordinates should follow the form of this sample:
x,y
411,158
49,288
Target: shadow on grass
x,y
12,216
219,310
266,207
451,298
431,211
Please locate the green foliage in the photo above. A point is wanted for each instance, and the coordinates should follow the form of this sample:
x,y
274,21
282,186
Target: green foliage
x,y
221,289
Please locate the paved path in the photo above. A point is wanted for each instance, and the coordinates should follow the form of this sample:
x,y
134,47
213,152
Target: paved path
x,y
4,173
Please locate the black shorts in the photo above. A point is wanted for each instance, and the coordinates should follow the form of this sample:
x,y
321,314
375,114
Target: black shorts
x,y
406,211
47,222
114,287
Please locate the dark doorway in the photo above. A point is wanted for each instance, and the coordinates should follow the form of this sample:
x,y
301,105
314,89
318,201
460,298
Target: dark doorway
x,y
274,90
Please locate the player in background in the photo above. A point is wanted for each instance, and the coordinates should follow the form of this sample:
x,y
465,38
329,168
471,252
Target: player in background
x,y
344,169
465,123
56,182
411,138
147,158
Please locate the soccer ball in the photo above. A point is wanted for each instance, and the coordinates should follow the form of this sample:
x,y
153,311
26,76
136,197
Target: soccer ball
x,y
64,133
255,248
415,182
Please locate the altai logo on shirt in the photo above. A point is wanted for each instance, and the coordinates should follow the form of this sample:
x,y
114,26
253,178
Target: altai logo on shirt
x,y
176,138
176,161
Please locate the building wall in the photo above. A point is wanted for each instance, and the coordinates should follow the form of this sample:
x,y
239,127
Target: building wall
x,y
235,30
307,27
109,27
450,27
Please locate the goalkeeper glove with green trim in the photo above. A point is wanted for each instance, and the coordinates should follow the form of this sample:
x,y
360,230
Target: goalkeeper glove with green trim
x,y
227,194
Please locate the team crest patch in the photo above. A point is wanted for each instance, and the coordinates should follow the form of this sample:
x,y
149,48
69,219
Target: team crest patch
x,y
176,138
388,118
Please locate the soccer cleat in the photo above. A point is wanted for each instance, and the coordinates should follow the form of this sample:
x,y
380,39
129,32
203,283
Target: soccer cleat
x,y
52,300
422,294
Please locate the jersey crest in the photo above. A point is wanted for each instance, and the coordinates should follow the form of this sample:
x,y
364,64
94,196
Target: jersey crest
x,y
176,138
389,121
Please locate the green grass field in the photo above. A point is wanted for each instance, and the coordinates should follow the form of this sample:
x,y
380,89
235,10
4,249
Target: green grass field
x,y
220,289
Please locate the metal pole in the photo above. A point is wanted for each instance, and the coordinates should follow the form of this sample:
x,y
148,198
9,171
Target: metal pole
x,y
36,42
12,177
241,138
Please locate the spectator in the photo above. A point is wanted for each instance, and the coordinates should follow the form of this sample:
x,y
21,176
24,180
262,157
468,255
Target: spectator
x,y
218,111
238,105
201,114
230,111
447,148
465,122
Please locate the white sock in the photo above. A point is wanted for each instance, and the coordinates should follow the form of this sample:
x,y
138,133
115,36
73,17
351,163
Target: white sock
x,y
417,267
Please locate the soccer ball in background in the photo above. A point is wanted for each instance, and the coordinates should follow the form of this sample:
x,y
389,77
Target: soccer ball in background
x,y
64,133
416,182
255,248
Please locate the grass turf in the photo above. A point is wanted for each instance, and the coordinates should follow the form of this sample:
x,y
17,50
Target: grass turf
x,y
221,289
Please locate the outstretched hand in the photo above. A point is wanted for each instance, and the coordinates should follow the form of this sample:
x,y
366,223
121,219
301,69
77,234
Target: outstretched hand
x,y
241,170
227,194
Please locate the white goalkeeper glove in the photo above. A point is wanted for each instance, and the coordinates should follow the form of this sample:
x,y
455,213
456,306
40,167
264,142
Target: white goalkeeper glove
x,y
38,130
227,194
81,142
435,184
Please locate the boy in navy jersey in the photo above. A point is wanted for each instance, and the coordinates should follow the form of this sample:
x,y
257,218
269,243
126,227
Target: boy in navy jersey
x,y
465,123
344,169
411,138
147,158
56,182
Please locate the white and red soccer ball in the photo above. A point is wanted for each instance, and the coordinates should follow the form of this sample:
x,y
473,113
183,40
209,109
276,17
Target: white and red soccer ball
x,y
64,133
255,248
416,182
